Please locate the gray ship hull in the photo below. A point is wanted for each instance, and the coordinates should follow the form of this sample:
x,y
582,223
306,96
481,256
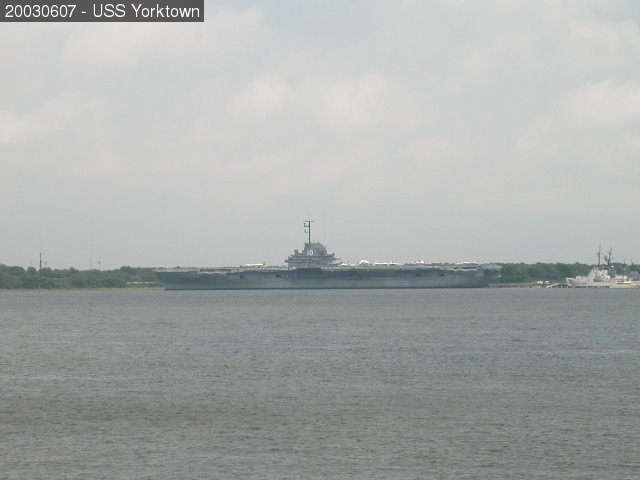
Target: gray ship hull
x,y
327,278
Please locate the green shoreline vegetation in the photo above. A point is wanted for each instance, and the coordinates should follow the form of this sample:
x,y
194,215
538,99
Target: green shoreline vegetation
x,y
534,272
136,277
553,272
48,278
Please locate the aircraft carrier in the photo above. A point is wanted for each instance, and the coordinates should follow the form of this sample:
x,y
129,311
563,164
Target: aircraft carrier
x,y
315,268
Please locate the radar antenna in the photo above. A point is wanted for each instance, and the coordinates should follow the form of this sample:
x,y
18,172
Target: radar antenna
x,y
307,228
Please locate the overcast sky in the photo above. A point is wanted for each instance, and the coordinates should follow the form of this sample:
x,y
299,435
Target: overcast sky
x,y
501,130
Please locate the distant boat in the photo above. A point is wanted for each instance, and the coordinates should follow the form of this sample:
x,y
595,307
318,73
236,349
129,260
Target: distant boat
x,y
602,277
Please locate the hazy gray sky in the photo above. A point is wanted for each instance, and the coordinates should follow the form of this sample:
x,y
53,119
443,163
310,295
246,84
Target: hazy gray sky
x,y
499,130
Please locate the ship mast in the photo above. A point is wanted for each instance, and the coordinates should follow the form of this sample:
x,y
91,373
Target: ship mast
x,y
307,229
609,257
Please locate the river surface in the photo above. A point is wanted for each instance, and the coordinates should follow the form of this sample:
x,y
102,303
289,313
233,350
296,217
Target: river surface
x,y
382,384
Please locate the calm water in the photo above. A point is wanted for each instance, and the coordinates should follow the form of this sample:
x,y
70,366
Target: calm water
x,y
443,384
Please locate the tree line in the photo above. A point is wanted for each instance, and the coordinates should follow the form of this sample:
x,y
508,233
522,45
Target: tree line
x,y
30,278
555,272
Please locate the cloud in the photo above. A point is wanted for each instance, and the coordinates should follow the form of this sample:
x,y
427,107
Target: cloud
x,y
594,114
59,114
582,152
265,97
510,49
122,45
341,104
439,108
10,126
600,105
351,104
606,37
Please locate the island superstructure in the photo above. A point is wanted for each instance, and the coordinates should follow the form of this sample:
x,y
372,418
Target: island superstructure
x,y
315,268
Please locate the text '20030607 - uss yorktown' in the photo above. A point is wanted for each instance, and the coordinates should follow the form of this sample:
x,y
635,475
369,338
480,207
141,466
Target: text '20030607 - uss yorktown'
x,y
94,11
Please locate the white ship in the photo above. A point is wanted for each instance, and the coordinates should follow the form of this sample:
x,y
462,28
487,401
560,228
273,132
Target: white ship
x,y
602,277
